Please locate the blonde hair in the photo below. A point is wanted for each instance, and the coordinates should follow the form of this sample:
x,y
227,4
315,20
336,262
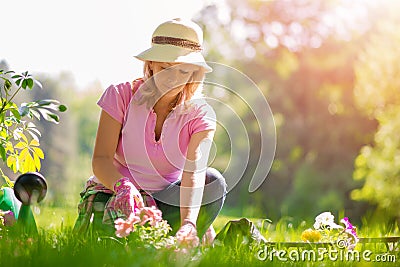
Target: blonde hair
x,y
149,93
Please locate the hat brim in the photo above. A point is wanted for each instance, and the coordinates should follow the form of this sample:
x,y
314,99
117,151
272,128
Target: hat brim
x,y
173,54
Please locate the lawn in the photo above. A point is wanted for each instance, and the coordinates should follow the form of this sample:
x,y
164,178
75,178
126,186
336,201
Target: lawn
x,y
56,245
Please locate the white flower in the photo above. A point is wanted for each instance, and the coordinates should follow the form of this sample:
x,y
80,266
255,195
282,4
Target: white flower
x,y
325,220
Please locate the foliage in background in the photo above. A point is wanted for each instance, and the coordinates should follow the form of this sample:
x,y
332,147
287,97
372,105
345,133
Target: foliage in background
x,y
301,55
378,95
69,144
19,136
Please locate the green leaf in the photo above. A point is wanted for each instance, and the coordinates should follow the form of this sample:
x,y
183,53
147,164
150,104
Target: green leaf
x,y
48,115
8,181
30,83
2,117
24,84
44,102
16,114
3,153
7,84
54,118
23,111
62,108
18,82
34,113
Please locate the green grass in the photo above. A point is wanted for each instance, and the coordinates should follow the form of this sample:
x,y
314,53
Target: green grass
x,y
57,246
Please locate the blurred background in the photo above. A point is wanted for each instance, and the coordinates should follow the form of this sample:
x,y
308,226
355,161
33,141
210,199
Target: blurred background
x,y
329,70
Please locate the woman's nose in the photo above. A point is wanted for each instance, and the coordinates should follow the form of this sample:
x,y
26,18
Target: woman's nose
x,y
173,76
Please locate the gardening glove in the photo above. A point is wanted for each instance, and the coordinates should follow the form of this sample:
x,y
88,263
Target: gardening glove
x,y
187,235
127,197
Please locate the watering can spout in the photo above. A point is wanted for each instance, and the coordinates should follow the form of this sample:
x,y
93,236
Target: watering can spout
x,y
26,221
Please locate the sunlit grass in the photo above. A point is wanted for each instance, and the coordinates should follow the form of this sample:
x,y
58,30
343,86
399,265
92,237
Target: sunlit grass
x,y
56,245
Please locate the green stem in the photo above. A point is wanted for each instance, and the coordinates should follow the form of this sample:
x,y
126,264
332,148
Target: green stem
x,y
15,93
5,103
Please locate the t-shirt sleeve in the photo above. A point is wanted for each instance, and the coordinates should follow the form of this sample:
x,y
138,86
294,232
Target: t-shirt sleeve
x,y
204,120
115,100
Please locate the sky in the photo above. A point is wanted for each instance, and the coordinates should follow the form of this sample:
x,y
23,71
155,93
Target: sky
x,y
95,40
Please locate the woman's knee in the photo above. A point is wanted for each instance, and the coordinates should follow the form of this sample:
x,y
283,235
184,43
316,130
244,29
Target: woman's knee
x,y
215,186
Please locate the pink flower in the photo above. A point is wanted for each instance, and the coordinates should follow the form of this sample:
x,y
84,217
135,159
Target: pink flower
x,y
124,227
9,218
350,229
141,216
150,214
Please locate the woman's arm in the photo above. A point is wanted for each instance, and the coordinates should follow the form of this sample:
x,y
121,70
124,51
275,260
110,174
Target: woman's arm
x,y
104,150
194,174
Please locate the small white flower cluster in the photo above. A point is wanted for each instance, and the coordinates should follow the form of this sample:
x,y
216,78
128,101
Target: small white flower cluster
x,y
326,221
343,237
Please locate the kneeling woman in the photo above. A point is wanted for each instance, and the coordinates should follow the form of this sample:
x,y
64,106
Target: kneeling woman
x,y
154,138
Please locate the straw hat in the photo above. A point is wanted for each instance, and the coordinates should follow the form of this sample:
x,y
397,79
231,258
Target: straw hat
x,y
177,41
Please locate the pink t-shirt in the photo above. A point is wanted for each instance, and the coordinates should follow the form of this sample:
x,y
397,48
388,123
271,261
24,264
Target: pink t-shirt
x,y
152,165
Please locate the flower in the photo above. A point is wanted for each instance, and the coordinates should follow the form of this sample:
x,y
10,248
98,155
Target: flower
x,y
145,227
311,235
152,215
325,220
350,229
326,230
7,218
124,227
140,216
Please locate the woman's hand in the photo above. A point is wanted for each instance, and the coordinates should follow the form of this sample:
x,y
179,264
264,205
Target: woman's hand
x,y
127,197
187,235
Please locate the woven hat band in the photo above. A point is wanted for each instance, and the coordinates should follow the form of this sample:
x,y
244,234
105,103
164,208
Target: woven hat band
x,y
184,43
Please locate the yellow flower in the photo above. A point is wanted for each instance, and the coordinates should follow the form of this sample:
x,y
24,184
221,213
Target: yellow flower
x,y
311,235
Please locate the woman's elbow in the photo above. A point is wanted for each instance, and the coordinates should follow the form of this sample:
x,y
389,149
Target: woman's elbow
x,y
99,162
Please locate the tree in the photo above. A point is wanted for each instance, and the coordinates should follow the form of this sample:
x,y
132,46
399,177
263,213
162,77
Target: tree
x,y
19,136
377,93
301,55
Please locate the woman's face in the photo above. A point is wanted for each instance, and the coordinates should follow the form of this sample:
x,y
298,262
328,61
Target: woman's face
x,y
172,76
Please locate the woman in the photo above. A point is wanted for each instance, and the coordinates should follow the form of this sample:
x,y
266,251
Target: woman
x,y
153,141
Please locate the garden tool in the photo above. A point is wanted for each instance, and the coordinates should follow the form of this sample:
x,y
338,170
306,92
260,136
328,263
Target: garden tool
x,y
29,188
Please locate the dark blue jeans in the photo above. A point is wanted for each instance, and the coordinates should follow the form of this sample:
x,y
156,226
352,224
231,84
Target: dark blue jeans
x,y
213,199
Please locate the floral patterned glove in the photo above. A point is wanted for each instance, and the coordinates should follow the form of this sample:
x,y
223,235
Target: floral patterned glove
x,y
127,197
187,235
